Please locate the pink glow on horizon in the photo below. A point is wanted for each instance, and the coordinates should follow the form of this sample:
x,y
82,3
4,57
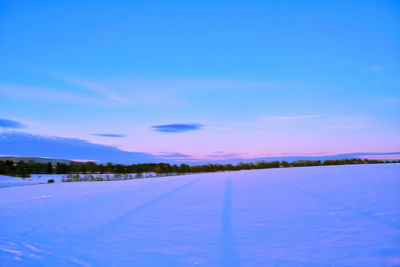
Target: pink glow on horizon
x,y
382,157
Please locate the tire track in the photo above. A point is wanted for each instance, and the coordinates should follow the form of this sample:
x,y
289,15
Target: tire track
x,y
116,222
229,255
367,215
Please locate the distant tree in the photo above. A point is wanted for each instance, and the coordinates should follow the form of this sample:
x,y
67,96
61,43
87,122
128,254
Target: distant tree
x,y
90,167
61,168
22,169
101,168
49,169
285,164
185,168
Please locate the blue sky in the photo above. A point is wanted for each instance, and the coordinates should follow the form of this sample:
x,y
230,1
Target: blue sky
x,y
243,78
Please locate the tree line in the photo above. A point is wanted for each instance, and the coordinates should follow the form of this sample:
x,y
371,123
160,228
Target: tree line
x,y
24,169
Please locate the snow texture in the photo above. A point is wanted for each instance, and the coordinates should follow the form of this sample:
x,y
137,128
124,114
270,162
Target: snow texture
x,y
309,216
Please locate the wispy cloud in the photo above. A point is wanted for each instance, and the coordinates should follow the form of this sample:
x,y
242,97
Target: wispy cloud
x,y
222,156
167,92
295,117
158,91
343,126
177,127
184,84
11,124
85,84
44,94
108,135
174,155
264,122
347,122
101,89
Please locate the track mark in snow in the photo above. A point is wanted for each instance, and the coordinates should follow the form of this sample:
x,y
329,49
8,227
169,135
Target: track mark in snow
x,y
33,229
361,212
229,254
43,197
119,220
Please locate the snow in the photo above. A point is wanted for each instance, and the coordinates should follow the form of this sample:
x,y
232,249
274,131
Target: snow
x,y
7,181
309,216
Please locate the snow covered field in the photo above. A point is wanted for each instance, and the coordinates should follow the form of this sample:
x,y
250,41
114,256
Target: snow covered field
x,y
6,181
311,216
